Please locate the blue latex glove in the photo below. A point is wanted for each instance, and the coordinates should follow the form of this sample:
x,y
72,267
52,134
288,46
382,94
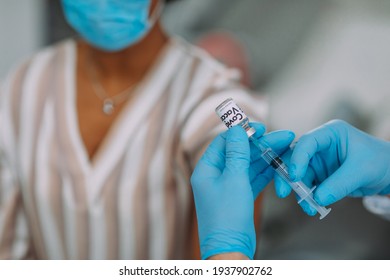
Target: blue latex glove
x,y
225,183
342,161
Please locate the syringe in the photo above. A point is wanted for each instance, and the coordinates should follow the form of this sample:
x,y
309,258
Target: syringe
x,y
232,115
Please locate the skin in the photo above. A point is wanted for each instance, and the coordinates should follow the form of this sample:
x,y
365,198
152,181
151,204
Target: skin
x,y
229,256
116,72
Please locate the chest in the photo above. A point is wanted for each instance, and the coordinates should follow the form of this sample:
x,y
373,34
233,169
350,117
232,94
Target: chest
x,y
94,121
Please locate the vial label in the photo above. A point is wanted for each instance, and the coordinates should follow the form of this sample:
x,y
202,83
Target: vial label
x,y
230,113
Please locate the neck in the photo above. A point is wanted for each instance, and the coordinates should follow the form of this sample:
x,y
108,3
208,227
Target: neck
x,y
130,63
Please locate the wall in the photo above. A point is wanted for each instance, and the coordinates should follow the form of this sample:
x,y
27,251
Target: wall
x,y
21,30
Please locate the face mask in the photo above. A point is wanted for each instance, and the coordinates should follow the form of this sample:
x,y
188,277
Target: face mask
x,y
110,25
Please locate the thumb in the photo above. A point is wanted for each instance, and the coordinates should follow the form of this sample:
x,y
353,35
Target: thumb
x,y
237,149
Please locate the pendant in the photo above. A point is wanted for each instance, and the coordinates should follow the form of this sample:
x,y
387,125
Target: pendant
x,y
108,107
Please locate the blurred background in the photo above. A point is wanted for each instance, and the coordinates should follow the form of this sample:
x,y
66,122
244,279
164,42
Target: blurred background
x,y
314,60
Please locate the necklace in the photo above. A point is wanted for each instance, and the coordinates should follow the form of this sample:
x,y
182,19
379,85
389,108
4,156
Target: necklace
x,y
109,102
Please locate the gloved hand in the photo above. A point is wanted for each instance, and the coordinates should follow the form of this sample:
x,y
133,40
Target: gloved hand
x,y
342,161
225,183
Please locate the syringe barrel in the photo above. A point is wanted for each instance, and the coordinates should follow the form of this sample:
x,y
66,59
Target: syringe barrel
x,y
281,168
303,191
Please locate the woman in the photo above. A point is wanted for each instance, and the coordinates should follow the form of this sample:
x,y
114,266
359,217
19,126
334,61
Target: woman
x,y
99,137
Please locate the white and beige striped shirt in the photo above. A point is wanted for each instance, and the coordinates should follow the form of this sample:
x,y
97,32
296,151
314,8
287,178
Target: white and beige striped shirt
x,y
134,200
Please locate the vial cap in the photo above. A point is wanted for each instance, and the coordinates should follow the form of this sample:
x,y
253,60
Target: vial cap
x,y
250,131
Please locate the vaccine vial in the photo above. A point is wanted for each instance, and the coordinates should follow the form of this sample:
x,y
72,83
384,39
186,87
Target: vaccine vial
x,y
231,114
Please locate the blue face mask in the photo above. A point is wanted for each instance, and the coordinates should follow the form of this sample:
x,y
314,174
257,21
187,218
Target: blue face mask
x,y
110,25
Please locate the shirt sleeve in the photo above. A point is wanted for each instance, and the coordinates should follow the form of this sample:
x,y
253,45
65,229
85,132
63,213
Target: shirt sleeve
x,y
15,240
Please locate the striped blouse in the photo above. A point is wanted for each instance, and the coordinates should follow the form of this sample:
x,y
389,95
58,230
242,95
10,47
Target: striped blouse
x,y
134,201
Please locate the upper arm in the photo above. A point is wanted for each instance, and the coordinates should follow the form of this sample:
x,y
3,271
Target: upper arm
x,y
14,233
11,215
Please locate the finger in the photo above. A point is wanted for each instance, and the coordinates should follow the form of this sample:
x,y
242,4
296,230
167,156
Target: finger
x,y
368,191
278,141
341,183
306,147
307,208
237,150
361,193
282,188
259,127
